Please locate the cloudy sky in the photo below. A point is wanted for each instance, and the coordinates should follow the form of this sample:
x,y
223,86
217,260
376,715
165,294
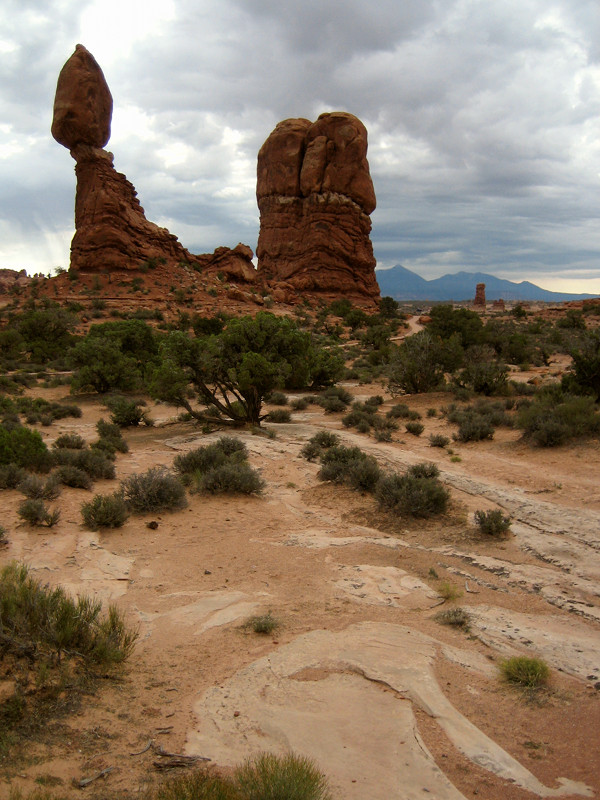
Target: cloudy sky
x,y
483,120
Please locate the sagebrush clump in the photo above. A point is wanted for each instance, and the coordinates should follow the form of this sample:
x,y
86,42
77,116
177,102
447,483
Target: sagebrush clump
x,y
157,489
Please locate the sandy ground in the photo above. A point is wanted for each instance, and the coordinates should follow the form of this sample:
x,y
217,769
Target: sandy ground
x,y
359,676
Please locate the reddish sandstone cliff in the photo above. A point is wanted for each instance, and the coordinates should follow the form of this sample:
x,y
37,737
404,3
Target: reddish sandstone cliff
x,y
315,194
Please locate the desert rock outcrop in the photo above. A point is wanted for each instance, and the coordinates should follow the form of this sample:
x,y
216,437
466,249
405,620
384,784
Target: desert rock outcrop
x,y
315,194
479,295
111,229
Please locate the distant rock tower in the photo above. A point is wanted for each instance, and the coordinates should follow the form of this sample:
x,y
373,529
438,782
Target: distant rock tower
x,y
315,194
479,295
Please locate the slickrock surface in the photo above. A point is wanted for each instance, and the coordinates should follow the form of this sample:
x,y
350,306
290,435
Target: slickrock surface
x,y
315,194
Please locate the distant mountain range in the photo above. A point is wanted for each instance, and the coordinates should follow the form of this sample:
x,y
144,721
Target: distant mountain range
x,y
402,284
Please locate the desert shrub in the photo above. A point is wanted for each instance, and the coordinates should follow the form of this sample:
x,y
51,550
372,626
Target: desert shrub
x,y
425,469
229,478
483,373
74,477
36,513
415,428
299,404
70,441
11,476
196,784
25,448
3,536
35,618
474,423
554,418
127,413
202,459
493,522
36,489
584,376
95,464
448,591
350,466
432,412
399,411
157,489
105,511
110,433
279,415
455,617
262,623
383,436
269,777
277,399
524,671
438,440
412,495
361,417
318,443
332,405
420,362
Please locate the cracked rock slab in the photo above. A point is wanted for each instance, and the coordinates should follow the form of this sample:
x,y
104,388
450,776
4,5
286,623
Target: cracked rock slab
x,y
344,699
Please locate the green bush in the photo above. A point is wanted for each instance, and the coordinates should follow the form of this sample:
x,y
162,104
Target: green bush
x,y
269,777
474,427
425,469
554,418
110,433
315,446
399,411
415,428
455,617
230,478
70,441
127,413
264,777
95,464
299,404
277,399
35,618
11,476
25,448
74,477
350,466
412,495
35,513
262,623
36,489
438,440
157,489
202,459
523,671
105,511
493,522
279,415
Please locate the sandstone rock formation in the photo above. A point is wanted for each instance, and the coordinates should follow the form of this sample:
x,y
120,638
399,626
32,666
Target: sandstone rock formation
x,y
479,295
499,305
112,232
315,195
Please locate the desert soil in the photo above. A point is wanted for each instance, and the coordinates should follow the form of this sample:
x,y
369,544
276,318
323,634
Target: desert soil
x,y
359,676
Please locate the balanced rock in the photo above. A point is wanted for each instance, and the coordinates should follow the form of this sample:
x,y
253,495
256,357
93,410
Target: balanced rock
x,y
315,194
83,103
111,229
